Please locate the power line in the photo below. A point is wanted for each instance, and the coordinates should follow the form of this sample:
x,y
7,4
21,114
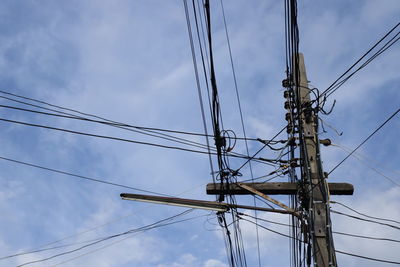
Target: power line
x,y
43,247
46,249
367,258
366,220
118,125
200,96
258,151
390,43
367,237
241,120
140,229
273,231
359,213
365,140
136,129
367,163
80,176
109,123
359,60
114,138
339,233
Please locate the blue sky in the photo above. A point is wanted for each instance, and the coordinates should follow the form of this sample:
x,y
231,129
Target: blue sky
x,y
130,61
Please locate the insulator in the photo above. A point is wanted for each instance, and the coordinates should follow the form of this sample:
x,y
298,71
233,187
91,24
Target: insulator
x,y
294,164
287,105
292,141
285,83
286,94
289,128
288,117
325,142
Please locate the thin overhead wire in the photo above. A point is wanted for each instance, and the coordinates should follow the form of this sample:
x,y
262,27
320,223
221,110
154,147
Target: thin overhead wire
x,y
389,44
367,258
137,129
367,163
80,176
114,138
332,86
258,151
45,247
241,120
366,220
111,244
109,123
271,230
192,48
363,214
365,140
160,223
368,237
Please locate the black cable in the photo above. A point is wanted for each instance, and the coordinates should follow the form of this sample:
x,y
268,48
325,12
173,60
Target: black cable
x,y
120,125
105,122
47,249
365,54
273,231
141,130
241,120
140,229
198,83
365,220
367,258
366,139
258,151
114,138
359,213
80,176
390,43
264,220
368,237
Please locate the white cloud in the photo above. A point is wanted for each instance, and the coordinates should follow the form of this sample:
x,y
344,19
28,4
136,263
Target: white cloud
x,y
131,62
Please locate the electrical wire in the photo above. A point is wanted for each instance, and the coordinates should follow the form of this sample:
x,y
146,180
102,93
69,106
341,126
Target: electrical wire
x,y
107,122
271,230
43,247
335,232
241,120
366,220
160,223
198,82
109,245
122,126
113,138
367,258
80,176
258,151
367,163
363,214
365,140
368,237
331,87
390,43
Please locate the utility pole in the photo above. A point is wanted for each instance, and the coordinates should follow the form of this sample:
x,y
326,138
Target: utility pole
x,y
313,177
312,189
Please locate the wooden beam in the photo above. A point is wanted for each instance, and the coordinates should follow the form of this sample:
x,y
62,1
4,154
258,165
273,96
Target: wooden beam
x,y
275,188
196,204
270,199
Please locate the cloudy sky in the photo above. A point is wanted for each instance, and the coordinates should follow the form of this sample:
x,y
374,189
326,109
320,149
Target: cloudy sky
x,y
130,61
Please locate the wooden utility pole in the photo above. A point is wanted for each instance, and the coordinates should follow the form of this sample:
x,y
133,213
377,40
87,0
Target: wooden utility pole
x,y
313,176
314,188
